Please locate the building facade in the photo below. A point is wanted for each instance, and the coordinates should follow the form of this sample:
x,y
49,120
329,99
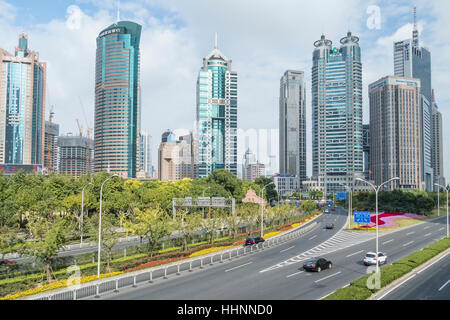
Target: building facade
x,y
292,124
216,115
366,151
176,158
396,132
118,100
145,162
437,149
286,184
254,171
75,154
337,113
22,105
51,147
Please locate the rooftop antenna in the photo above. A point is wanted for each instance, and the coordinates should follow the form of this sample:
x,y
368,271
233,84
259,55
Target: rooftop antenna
x,y
118,11
415,31
215,41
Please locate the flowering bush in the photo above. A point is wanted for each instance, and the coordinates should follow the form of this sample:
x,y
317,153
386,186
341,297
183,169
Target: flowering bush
x,y
271,234
153,264
206,251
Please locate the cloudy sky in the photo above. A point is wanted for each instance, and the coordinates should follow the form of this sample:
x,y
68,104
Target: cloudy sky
x,y
262,37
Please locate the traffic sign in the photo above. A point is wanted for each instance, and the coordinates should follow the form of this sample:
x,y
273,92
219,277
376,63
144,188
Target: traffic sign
x,y
341,196
362,217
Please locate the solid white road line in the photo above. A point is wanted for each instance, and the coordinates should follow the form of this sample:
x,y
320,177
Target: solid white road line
x,y
291,275
354,253
396,287
242,265
328,276
388,241
445,255
287,249
444,285
407,244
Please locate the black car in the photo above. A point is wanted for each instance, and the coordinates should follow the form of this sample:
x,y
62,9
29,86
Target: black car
x,y
317,264
329,226
253,240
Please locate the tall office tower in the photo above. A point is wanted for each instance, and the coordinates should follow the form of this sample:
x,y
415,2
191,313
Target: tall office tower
x,y
74,152
337,113
216,115
293,124
396,132
427,141
22,105
175,158
51,147
366,151
146,168
249,158
437,153
118,99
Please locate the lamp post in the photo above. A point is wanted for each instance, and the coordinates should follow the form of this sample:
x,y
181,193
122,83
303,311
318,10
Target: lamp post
x,y
100,224
377,189
350,203
82,212
446,189
262,208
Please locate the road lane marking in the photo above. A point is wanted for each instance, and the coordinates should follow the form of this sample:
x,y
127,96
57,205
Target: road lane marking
x,y
407,244
441,229
388,241
426,228
312,237
396,287
242,265
287,249
410,233
444,285
328,277
291,275
428,234
355,253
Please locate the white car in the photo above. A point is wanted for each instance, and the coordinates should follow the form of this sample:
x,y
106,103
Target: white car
x,y
370,258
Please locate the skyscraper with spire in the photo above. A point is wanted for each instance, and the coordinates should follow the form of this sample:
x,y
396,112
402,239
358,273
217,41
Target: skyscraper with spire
x,y
216,115
413,61
118,99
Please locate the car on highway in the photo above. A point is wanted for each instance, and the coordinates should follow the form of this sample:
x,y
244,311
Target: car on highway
x,y
371,258
317,264
253,240
333,208
7,262
326,211
329,226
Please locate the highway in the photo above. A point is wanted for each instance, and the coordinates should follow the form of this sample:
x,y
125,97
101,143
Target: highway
x,y
433,283
277,273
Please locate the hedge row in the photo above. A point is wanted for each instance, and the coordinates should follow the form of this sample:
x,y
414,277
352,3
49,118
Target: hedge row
x,y
358,290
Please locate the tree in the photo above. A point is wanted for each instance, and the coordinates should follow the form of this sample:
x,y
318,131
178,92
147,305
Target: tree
x,y
108,237
308,206
51,237
271,192
213,219
153,224
186,224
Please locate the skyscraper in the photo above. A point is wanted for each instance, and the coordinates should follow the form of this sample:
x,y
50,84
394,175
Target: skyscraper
x,y
293,124
437,153
146,167
74,152
51,146
366,151
216,115
395,132
118,99
22,105
337,113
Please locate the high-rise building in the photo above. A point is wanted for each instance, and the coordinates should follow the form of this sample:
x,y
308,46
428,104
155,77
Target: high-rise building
x,y
175,158
216,115
366,151
254,171
437,149
146,167
396,143
74,152
293,124
118,99
22,105
51,146
337,113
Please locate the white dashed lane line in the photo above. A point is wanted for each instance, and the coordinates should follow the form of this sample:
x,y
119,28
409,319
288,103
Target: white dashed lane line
x,y
287,249
328,277
388,241
291,275
407,244
242,265
312,237
355,253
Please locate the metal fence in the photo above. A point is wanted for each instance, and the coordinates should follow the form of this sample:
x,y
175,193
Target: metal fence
x,y
133,279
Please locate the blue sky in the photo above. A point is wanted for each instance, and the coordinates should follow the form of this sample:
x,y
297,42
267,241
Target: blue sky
x,y
262,37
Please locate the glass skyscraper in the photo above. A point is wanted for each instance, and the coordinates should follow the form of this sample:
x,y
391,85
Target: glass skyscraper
x,y
337,113
117,100
216,115
22,105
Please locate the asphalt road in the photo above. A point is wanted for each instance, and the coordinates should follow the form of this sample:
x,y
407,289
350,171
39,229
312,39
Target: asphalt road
x,y
277,273
433,283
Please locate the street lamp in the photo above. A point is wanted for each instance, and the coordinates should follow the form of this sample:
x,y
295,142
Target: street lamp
x,y
350,205
82,211
447,202
377,189
262,208
100,224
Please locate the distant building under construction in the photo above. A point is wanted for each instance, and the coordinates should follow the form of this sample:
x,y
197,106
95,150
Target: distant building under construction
x,y
75,155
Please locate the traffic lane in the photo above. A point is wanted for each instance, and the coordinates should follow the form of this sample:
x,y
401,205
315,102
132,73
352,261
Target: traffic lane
x,y
431,284
221,275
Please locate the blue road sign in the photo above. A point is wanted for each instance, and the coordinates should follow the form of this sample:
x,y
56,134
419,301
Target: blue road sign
x,y
330,203
362,217
341,196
